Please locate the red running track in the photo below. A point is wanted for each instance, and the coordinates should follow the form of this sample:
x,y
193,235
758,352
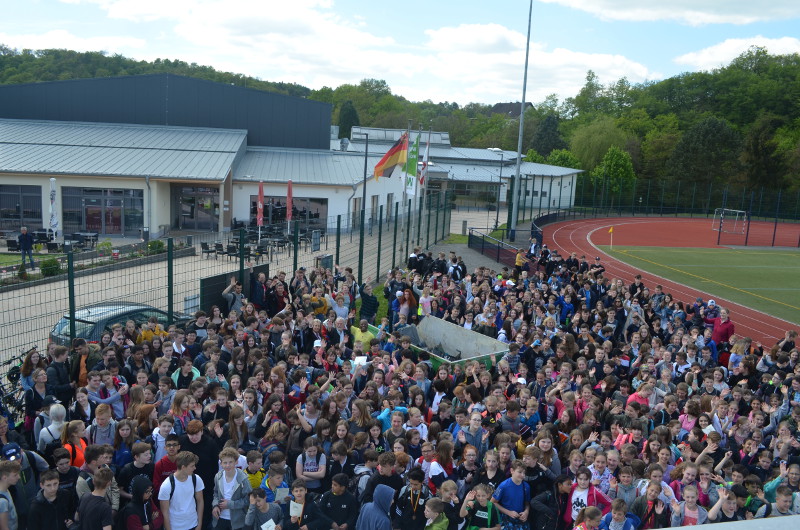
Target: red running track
x,y
583,236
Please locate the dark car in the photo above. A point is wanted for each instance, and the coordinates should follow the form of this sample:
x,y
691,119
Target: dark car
x,y
91,321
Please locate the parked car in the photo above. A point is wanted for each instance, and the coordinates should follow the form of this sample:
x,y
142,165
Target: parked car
x,y
91,321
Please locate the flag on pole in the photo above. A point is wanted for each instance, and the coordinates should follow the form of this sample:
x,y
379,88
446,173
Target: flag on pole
x,y
611,230
394,157
410,168
260,205
424,172
289,202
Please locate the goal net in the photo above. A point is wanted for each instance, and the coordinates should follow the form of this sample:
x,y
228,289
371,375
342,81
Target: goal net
x,y
729,221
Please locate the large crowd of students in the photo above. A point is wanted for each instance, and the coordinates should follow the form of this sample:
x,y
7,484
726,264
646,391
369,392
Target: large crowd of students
x,y
615,407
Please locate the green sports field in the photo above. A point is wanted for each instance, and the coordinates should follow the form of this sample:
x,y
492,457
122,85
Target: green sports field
x,y
766,280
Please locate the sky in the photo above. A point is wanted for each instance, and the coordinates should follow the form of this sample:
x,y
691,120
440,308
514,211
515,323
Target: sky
x,y
465,51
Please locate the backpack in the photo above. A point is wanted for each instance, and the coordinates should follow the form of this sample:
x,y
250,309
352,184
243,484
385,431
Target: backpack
x,y
172,486
352,486
54,444
88,478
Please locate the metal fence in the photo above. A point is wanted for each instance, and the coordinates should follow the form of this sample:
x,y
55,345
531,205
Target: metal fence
x,y
168,275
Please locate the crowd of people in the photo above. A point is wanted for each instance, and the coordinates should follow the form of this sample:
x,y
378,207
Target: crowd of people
x,y
303,406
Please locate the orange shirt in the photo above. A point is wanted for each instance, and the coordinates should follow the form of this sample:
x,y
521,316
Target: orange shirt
x,y
76,453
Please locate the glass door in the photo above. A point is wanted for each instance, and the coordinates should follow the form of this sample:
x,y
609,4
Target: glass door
x,y
113,217
94,215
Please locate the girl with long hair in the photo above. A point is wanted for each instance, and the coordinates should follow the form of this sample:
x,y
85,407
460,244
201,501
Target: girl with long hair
x,y
124,438
181,412
237,428
146,420
33,360
73,439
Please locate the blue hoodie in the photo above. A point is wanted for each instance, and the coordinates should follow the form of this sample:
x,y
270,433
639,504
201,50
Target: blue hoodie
x,y
632,522
375,514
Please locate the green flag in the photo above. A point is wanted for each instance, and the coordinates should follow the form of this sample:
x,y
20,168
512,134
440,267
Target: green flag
x,y
411,163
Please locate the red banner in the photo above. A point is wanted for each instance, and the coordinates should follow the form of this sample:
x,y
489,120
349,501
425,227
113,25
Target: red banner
x,y
260,207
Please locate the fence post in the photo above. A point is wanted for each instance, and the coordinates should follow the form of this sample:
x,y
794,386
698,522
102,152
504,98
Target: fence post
x,y
242,240
428,225
380,239
677,198
436,223
295,244
171,281
71,289
338,235
394,246
419,216
749,218
408,226
361,248
777,213
722,217
694,191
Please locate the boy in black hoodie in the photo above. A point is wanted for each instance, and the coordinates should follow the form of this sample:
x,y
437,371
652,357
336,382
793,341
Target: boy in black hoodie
x,y
340,505
52,508
411,502
537,475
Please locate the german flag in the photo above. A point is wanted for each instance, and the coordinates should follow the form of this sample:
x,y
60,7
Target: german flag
x,y
396,156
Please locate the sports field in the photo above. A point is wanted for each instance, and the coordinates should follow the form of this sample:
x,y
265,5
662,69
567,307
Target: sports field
x,y
766,280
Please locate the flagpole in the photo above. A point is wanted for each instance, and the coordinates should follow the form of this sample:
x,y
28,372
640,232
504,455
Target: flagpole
x,y
425,181
407,227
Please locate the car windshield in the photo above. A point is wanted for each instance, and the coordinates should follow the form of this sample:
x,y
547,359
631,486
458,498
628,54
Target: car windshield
x,y
82,327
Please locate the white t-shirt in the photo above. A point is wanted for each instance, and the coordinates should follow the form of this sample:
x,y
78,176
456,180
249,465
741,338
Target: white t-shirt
x,y
227,493
579,500
182,507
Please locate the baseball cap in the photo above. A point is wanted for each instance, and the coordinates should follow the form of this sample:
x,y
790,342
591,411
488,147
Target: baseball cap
x,y
317,343
510,283
712,302
521,381
597,258
49,400
398,294
12,451
537,342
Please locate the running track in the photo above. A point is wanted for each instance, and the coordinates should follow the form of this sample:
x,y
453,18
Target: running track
x,y
577,236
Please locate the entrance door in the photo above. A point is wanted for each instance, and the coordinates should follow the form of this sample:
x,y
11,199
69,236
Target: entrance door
x,y
198,208
94,215
113,217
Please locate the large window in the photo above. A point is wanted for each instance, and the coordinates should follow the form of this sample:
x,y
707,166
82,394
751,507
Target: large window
x,y
105,211
20,206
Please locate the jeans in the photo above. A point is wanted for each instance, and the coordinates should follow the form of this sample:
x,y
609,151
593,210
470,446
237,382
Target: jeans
x,y
29,253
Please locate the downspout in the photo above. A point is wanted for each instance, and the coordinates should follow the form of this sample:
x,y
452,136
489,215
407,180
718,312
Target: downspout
x,y
149,202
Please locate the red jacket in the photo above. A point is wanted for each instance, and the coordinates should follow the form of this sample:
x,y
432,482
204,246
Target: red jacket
x,y
722,330
594,498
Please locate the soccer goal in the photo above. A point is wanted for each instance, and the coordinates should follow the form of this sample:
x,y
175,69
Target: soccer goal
x,y
729,221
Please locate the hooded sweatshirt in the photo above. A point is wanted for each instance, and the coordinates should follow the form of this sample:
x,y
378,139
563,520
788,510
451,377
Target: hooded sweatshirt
x,y
136,514
46,515
375,514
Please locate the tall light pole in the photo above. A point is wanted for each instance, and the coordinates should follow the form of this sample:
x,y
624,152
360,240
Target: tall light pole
x,y
515,196
499,151
363,211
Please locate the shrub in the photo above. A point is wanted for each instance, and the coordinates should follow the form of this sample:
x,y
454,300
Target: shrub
x,y
51,267
22,272
156,246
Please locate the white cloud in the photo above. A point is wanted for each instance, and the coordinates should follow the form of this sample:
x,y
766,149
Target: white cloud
x,y
691,12
63,39
723,53
312,43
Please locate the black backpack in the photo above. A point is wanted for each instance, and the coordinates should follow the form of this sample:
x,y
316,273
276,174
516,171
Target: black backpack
x,y
172,486
352,486
52,445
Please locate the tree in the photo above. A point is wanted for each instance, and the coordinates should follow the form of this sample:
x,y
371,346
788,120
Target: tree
x,y
547,137
563,158
348,118
762,161
533,156
615,172
591,142
709,151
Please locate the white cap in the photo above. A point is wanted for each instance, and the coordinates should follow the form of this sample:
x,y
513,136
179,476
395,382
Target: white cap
x,y
317,343
398,294
521,381
712,302
510,283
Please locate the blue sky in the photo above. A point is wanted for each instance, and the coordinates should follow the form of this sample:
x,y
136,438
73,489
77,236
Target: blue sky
x,y
468,51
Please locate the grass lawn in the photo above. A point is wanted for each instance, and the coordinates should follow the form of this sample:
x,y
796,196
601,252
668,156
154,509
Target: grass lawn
x,y
765,280
10,259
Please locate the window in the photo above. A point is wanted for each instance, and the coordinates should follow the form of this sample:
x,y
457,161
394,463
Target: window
x,y
20,206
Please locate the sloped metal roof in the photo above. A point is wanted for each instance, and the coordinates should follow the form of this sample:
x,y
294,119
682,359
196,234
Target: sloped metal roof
x,y
117,149
303,166
490,173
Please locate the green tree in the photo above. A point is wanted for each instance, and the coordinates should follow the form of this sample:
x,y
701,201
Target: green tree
x,y
547,137
533,156
563,158
615,172
709,151
348,118
763,163
591,142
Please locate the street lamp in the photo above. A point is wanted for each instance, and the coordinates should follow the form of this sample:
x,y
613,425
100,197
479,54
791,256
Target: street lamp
x,y
497,150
